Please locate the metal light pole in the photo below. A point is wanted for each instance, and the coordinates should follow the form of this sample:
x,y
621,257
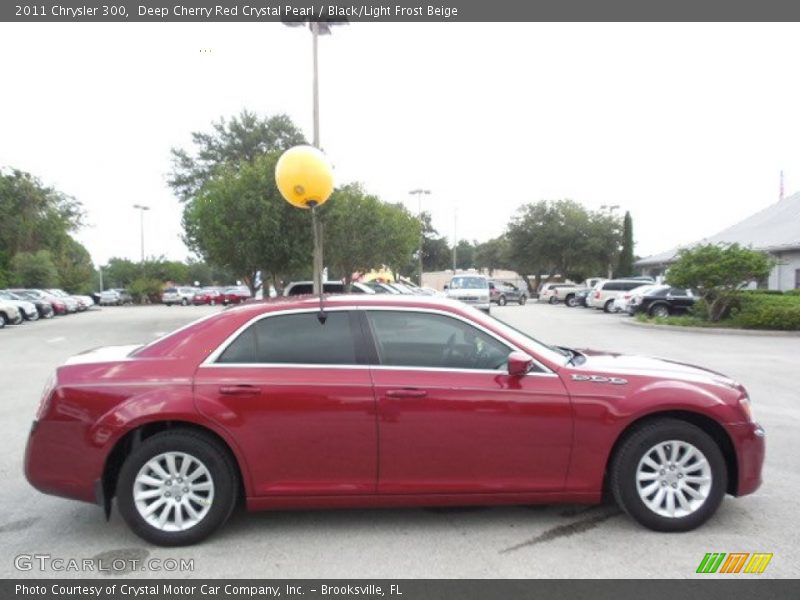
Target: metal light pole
x,y
419,192
317,29
611,208
141,208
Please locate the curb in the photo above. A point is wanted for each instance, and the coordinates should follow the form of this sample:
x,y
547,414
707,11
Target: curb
x,y
719,330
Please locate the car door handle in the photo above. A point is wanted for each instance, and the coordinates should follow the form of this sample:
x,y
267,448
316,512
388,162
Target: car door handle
x,y
239,390
406,393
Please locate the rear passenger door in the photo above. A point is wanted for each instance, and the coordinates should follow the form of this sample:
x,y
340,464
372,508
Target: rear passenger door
x,y
297,396
681,300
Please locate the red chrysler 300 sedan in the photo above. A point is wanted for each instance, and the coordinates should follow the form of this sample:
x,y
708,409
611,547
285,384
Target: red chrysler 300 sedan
x,y
383,401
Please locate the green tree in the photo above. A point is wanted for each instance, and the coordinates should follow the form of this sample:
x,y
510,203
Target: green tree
x,y
363,233
561,237
625,266
239,140
34,270
492,255
35,218
465,254
74,266
239,221
120,272
718,272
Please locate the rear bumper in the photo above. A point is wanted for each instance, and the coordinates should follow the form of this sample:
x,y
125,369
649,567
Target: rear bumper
x,y
54,465
750,442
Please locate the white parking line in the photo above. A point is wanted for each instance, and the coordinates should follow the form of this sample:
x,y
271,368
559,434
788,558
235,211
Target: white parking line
x,y
55,340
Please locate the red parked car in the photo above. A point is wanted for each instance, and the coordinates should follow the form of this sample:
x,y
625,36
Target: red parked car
x,y
210,296
235,295
383,400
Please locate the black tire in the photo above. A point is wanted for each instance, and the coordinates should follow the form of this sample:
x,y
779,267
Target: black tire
x,y
200,446
212,302
169,303
5,320
570,301
523,299
2,320
553,300
501,301
184,302
622,474
659,310
607,306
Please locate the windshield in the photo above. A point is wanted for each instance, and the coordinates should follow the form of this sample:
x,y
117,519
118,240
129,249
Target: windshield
x,y
468,283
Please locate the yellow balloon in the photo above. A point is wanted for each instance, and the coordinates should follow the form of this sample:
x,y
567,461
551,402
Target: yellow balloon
x,y
304,176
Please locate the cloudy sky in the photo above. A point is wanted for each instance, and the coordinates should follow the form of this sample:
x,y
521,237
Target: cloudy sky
x,y
686,126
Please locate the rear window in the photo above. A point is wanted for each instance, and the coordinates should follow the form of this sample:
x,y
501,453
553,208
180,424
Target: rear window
x,y
171,291
296,339
468,283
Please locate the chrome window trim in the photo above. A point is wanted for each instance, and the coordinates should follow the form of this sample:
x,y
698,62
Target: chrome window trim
x,y
210,360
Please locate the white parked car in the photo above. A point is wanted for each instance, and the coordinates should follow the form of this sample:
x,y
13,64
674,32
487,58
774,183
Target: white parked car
x,y
605,293
26,309
470,289
548,291
627,300
178,295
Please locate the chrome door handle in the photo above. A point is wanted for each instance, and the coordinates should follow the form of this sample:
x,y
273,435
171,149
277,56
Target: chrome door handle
x,y
239,390
406,393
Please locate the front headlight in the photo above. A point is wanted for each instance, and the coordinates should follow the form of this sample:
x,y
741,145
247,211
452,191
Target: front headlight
x,y
747,408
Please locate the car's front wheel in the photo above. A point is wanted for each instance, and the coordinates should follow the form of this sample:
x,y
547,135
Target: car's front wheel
x,y
523,299
501,301
669,475
177,488
659,310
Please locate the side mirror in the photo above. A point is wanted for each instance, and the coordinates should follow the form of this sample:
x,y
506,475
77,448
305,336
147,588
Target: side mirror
x,y
519,364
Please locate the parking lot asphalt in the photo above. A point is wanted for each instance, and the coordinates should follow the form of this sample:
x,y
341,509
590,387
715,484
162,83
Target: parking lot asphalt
x,y
506,542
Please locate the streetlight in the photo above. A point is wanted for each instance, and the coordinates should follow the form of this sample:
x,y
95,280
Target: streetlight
x,y
419,192
610,208
318,28
141,208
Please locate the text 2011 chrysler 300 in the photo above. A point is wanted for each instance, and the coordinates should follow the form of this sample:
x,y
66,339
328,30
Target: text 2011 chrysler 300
x,y
384,401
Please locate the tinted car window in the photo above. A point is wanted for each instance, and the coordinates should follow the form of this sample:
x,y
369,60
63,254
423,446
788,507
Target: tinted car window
x,y
411,339
296,339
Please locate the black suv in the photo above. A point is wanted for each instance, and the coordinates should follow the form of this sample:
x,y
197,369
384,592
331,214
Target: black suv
x,y
663,302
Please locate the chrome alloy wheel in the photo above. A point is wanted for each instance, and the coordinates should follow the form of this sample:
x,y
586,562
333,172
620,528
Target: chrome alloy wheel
x,y
673,479
173,491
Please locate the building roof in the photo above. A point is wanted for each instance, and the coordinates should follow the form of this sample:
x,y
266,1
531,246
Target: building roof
x,y
775,228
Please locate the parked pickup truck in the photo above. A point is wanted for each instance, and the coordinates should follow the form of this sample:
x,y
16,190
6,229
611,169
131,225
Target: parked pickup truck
x,y
566,293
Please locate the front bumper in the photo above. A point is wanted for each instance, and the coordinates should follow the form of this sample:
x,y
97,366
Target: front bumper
x,y
749,440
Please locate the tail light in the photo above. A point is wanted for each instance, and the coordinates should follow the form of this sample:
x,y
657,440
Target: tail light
x,y
597,295
47,395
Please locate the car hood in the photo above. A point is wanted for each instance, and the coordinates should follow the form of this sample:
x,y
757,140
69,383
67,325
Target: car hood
x,y
648,366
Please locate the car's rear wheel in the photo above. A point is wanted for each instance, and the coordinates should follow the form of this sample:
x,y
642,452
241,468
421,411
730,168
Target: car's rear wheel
x,y
184,302
501,301
659,310
570,301
553,300
523,299
177,488
608,306
669,475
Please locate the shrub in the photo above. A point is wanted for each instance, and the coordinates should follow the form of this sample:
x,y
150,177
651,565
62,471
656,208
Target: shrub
x,y
145,290
719,272
34,270
767,311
